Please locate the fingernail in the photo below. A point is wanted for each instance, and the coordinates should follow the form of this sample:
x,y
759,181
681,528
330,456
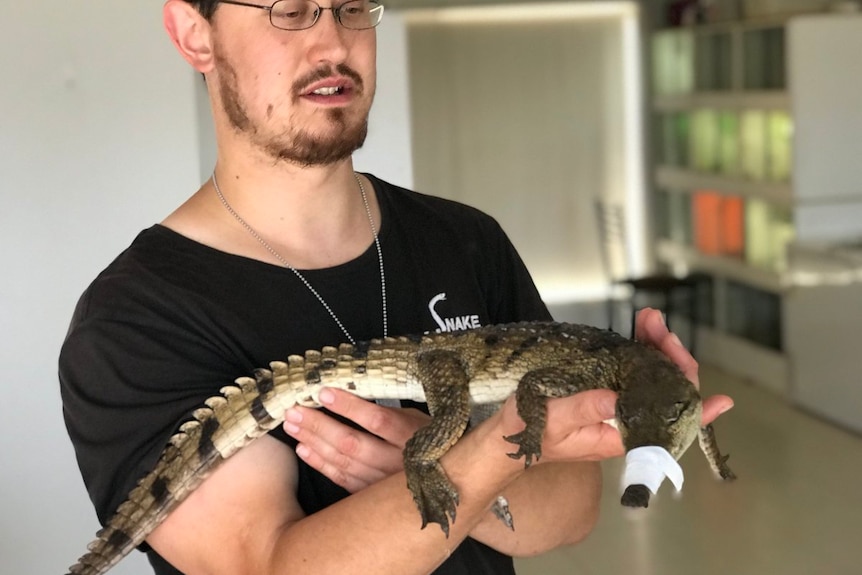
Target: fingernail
x,y
726,408
609,408
293,415
290,428
674,339
302,451
326,397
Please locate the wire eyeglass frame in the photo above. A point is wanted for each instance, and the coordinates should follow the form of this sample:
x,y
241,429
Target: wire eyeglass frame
x,y
308,18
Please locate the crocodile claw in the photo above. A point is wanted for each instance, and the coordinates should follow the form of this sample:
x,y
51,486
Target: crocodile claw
x,y
433,494
724,470
529,446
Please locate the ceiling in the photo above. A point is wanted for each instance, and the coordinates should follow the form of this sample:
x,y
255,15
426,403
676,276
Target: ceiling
x,y
404,4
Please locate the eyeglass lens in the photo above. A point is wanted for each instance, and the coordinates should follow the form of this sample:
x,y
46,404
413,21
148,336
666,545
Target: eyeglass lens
x,y
302,14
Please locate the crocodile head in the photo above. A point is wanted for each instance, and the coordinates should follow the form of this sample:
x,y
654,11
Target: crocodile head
x,y
657,406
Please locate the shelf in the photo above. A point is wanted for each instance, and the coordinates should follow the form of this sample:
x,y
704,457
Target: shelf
x,y
679,179
730,268
776,107
730,100
728,26
768,368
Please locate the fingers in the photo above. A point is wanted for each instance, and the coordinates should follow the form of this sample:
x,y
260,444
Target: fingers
x,y
585,408
651,329
576,425
394,426
714,406
574,429
349,457
352,458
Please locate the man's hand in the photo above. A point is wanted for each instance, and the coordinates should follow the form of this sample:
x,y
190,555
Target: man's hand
x,y
347,456
650,329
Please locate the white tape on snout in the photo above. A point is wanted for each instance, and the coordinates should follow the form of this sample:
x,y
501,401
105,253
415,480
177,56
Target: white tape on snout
x,y
649,465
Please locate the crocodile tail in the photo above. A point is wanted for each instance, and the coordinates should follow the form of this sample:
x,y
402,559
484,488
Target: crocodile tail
x,y
230,421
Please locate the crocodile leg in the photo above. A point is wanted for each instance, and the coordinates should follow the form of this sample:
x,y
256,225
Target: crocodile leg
x,y
532,395
447,392
717,461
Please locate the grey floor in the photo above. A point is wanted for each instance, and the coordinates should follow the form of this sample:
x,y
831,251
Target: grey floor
x,y
796,508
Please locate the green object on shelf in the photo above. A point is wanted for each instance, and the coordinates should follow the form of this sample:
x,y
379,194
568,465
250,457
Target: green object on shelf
x,y
758,246
679,218
704,140
728,143
674,139
673,62
768,231
780,150
753,144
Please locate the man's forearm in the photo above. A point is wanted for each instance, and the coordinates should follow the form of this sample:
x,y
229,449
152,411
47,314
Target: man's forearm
x,y
385,512
552,505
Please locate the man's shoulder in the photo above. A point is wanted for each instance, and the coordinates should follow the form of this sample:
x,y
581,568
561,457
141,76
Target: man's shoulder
x,y
408,203
144,270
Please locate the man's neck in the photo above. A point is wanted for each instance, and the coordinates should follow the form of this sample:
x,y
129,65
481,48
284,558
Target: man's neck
x,y
313,217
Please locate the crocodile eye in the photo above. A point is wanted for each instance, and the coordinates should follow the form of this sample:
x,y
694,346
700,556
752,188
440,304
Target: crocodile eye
x,y
676,411
628,419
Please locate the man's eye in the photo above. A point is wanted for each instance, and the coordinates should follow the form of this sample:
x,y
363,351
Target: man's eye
x,y
290,11
292,15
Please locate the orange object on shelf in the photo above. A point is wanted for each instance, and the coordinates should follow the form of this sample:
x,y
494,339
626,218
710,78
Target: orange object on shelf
x,y
718,223
707,222
733,226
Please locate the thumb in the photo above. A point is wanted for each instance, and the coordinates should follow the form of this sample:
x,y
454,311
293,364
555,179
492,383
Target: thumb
x,y
584,408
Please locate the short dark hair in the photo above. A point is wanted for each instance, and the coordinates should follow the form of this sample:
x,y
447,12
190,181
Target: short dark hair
x,y
205,7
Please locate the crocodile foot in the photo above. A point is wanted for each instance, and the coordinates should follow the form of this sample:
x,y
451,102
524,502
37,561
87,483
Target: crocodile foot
x,y
434,494
724,471
529,445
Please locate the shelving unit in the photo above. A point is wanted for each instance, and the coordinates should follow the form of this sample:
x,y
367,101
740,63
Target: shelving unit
x,y
756,127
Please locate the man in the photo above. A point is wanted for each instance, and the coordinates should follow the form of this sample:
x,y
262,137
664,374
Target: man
x,y
287,249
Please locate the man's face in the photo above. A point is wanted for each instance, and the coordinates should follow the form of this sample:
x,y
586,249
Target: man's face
x,y
299,96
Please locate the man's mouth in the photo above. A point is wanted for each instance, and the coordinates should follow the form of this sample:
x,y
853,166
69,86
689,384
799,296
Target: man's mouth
x,y
330,87
329,91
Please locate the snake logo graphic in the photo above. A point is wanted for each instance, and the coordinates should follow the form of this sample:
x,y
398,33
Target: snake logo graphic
x,y
451,323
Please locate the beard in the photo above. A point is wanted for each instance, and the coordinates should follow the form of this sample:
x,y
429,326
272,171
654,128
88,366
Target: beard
x,y
344,134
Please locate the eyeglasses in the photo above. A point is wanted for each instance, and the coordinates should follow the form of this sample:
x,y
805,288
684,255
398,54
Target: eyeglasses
x,y
303,14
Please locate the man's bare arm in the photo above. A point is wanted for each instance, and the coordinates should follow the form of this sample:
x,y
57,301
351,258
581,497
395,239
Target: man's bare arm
x,y
245,518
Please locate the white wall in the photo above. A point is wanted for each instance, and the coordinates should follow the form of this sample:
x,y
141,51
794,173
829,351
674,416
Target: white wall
x,y
526,114
387,153
99,138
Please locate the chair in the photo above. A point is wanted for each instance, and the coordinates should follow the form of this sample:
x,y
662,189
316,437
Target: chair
x,y
658,289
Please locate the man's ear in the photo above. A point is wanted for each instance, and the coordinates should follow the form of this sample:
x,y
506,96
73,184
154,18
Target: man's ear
x,y
190,34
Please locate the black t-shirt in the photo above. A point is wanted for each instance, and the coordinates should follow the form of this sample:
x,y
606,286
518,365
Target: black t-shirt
x,y
171,321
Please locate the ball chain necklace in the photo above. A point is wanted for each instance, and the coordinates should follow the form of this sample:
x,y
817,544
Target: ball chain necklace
x,y
305,282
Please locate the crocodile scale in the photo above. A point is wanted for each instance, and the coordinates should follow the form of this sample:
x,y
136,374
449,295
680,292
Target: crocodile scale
x,y
454,373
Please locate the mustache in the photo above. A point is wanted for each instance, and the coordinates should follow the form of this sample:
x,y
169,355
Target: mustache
x,y
325,72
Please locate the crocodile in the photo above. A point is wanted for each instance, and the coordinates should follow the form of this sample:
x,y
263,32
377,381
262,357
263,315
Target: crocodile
x,y
456,374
